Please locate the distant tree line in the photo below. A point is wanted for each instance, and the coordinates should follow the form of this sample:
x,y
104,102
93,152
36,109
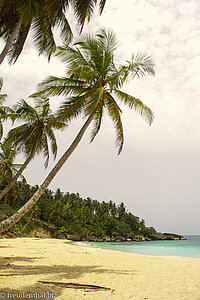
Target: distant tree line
x,y
70,214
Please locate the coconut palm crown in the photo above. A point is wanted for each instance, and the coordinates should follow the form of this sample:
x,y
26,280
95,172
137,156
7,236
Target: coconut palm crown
x,y
34,136
93,82
36,133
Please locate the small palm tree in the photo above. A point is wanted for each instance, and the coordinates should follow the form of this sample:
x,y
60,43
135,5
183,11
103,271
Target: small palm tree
x,y
8,169
34,135
18,17
91,86
7,166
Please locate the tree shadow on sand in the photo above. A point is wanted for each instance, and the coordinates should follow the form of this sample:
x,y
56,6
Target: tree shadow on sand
x,y
64,273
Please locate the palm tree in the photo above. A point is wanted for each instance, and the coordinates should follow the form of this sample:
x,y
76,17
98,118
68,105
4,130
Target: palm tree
x,y
34,135
17,17
7,166
91,86
8,169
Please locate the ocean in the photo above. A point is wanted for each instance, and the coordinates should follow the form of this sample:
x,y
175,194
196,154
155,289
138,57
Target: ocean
x,y
183,248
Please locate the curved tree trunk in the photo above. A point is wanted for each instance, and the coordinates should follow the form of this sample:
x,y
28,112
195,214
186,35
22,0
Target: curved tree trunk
x,y
3,208
10,41
21,170
6,224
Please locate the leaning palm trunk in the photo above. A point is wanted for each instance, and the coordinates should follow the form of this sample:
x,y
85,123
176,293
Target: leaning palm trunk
x,y
19,173
6,224
10,41
3,208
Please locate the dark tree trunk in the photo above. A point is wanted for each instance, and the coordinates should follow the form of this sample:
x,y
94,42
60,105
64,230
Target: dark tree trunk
x,y
10,41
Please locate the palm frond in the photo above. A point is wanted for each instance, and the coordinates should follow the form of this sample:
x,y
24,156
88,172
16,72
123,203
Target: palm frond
x,y
94,100
114,113
71,108
141,64
74,59
54,122
32,142
83,9
54,6
24,111
94,52
2,98
107,39
22,138
76,105
56,86
62,23
42,104
117,77
27,9
43,146
43,36
135,104
53,143
101,5
97,121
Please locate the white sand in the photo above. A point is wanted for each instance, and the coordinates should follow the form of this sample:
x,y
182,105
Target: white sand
x,y
24,261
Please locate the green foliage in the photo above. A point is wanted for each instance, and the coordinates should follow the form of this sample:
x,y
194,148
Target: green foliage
x,y
92,82
36,133
8,168
71,214
42,18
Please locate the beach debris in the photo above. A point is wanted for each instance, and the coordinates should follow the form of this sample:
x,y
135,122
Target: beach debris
x,y
76,285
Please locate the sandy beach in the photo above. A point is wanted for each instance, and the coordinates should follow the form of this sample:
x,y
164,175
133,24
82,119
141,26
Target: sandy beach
x,y
26,261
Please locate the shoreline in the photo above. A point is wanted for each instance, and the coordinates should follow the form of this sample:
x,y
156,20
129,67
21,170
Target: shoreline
x,y
25,261
89,244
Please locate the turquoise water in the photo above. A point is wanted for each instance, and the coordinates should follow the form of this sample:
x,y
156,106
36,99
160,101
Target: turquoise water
x,y
184,248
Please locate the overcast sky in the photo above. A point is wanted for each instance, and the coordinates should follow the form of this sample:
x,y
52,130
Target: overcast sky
x,y
157,174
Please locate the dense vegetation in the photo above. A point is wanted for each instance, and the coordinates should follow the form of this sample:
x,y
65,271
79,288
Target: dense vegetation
x,y
68,214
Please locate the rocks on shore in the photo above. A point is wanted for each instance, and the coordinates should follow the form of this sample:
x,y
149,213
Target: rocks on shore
x,y
120,238
46,231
